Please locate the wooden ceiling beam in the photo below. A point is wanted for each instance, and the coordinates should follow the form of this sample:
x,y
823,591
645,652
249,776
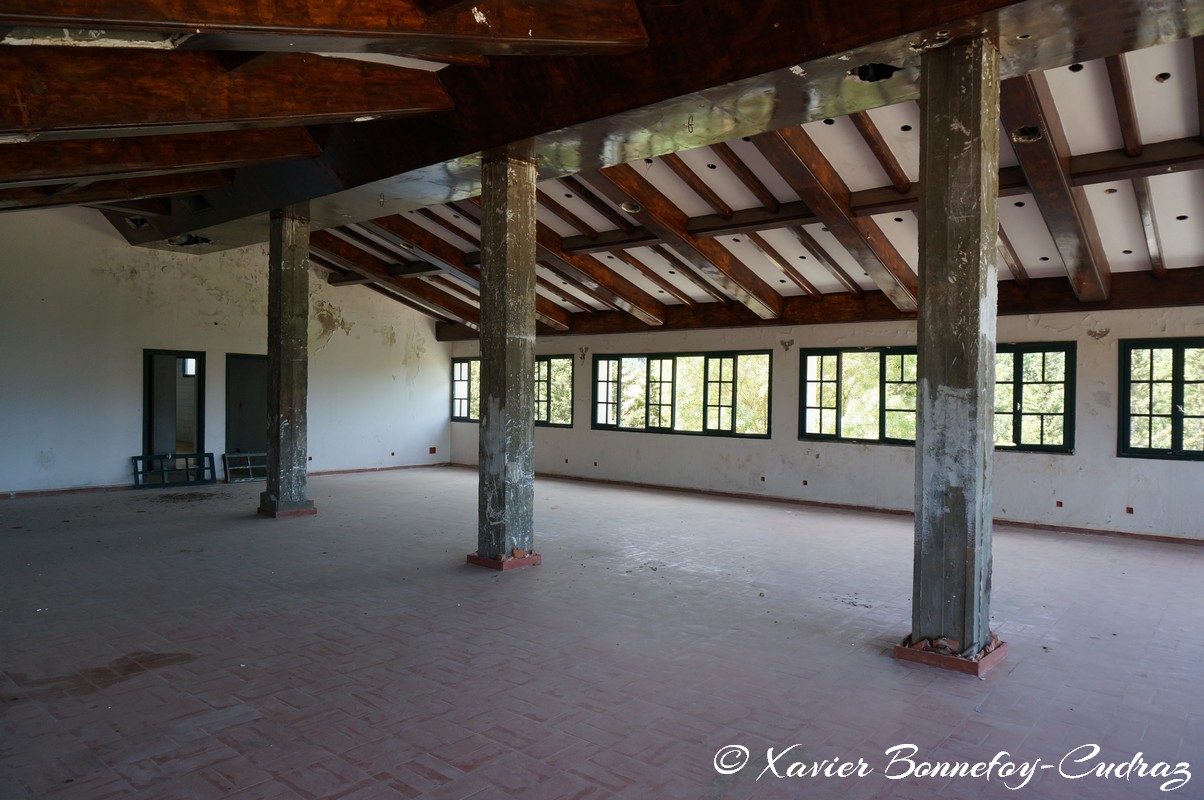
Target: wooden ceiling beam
x,y
1153,242
1133,290
691,179
623,184
574,221
825,260
1126,111
1030,119
881,150
648,272
72,93
794,155
449,226
411,27
352,259
601,281
597,204
407,235
556,291
1197,45
108,192
37,163
779,261
335,271
686,271
746,176
1003,246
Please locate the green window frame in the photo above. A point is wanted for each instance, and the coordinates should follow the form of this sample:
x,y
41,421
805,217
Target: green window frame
x,y
1034,396
466,390
553,390
699,394
1162,399
838,404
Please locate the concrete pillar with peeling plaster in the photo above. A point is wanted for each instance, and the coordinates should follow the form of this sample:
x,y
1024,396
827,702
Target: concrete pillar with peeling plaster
x,y
505,530
286,494
956,335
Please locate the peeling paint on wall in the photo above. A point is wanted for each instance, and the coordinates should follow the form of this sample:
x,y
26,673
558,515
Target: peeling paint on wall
x,y
325,320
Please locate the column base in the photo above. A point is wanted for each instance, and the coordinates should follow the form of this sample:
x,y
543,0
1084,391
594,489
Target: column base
x,y
506,562
277,509
978,665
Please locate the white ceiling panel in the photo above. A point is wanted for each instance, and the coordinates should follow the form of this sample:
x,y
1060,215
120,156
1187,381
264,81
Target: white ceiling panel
x,y
1164,88
1178,201
843,146
838,254
1083,97
899,125
1114,207
1022,222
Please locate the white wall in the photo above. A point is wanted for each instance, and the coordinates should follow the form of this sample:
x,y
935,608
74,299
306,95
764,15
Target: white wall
x,y
1094,486
78,306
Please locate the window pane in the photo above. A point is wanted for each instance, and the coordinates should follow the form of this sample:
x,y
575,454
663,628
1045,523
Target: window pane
x,y
1139,432
561,391
635,392
1193,364
1160,398
1139,365
1193,434
1004,433
1055,366
1163,364
1054,425
1043,398
859,395
752,394
901,425
1193,399
474,388
1004,398
1033,368
1030,429
1139,398
1160,433
688,394
1004,367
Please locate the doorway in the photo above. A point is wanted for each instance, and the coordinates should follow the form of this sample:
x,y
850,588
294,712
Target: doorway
x,y
246,403
174,405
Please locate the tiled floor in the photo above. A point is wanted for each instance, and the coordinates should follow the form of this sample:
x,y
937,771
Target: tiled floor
x,y
166,644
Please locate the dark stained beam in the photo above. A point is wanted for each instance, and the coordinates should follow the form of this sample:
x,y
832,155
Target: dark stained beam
x,y
1032,122
825,260
36,163
597,204
881,150
1008,253
1153,243
779,261
751,219
556,291
409,236
654,276
433,7
736,164
686,271
334,270
794,155
659,215
502,28
352,259
574,221
585,287
1132,290
1197,45
589,274
71,93
688,176
108,192
1126,112
348,279
609,241
1157,158
449,226
601,281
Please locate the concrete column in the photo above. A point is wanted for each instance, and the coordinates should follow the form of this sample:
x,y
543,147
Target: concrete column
x,y
959,168
288,364
505,531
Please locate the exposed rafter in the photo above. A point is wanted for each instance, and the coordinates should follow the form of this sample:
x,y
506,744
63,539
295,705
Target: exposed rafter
x,y
622,184
700,187
792,153
881,150
350,258
1032,122
746,176
106,192
654,276
779,261
399,26
1010,259
41,163
1149,224
553,205
70,93
1126,111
